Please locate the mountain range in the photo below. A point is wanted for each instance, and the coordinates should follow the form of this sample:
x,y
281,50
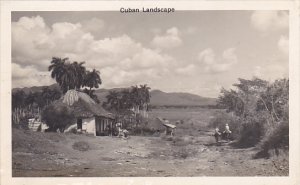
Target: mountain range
x,y
158,97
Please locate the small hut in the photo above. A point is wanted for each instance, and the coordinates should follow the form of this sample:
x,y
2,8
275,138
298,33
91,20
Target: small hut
x,y
169,128
90,117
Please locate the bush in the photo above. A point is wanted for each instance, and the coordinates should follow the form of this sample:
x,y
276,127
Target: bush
x,y
251,134
277,138
57,116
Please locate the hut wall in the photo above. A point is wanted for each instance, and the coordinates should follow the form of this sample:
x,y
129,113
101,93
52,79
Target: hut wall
x,y
101,124
88,125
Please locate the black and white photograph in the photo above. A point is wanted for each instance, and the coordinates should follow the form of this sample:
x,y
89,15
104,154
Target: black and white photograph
x,y
150,91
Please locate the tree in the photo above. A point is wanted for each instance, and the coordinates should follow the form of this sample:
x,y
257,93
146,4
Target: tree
x,y
18,99
244,98
145,98
129,101
49,95
58,69
80,72
92,94
113,101
275,100
92,79
260,106
67,75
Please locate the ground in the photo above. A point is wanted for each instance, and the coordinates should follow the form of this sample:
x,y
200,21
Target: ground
x,y
191,152
58,155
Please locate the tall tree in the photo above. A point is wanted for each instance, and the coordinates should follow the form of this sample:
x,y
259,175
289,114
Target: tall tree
x,y
92,79
113,101
67,75
145,92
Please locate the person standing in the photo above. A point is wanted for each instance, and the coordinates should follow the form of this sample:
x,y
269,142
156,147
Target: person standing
x,y
227,132
217,134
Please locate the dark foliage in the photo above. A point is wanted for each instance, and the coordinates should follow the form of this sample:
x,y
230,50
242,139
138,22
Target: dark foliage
x,y
57,116
258,110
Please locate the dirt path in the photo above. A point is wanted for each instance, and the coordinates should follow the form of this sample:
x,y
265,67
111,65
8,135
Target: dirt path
x,y
53,155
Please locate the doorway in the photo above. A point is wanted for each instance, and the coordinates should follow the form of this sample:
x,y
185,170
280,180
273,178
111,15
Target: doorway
x,y
79,124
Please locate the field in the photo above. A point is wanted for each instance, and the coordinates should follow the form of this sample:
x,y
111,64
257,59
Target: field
x,y
191,152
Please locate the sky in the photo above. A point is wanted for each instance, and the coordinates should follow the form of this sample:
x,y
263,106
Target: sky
x,y
197,52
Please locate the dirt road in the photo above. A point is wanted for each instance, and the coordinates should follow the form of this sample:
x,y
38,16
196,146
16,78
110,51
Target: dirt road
x,y
51,154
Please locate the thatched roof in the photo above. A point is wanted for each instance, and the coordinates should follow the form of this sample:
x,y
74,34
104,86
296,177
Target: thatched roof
x,y
166,123
84,106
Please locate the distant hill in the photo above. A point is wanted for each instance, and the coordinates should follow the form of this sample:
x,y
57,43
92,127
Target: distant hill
x,y
33,89
158,98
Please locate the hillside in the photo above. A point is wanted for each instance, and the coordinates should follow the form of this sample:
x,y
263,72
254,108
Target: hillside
x,y
33,89
158,98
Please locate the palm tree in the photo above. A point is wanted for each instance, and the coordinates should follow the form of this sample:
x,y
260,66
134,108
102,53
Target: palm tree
x,y
58,68
145,98
80,72
135,98
92,79
67,75
114,101
46,94
140,98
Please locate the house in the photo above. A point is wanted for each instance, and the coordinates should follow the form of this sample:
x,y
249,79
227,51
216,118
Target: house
x,y
90,117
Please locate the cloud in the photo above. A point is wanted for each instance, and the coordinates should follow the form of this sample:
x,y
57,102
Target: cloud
x,y
120,60
270,20
93,26
170,39
190,69
29,76
213,63
191,30
283,44
271,71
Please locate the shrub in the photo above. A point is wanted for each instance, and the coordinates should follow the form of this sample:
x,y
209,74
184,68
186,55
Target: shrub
x,y
57,116
277,138
250,135
259,105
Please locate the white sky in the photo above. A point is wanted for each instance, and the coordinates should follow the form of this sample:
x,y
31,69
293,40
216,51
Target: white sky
x,y
187,51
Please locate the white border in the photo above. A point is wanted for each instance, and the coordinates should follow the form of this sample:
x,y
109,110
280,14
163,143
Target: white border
x,y
5,98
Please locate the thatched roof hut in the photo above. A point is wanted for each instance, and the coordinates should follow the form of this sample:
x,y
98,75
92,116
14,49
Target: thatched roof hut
x,y
90,117
84,106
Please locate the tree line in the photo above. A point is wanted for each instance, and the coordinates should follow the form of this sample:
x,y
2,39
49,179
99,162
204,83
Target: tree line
x,y
258,111
130,105
28,105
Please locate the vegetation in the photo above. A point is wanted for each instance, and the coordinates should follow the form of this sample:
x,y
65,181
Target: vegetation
x,y
57,116
261,110
130,105
68,75
74,75
28,105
